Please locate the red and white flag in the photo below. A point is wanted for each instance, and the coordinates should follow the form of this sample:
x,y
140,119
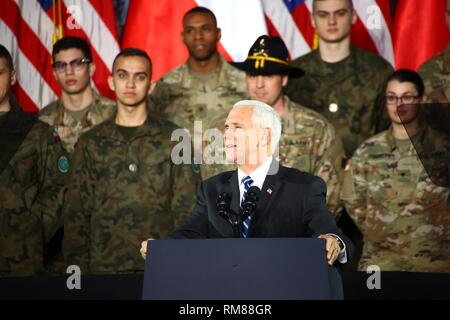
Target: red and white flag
x,y
28,28
291,20
420,31
156,25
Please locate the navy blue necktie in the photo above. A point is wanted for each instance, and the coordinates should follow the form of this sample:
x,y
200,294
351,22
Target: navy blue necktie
x,y
247,181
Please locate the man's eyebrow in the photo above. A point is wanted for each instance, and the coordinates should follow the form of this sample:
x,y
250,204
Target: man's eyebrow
x,y
137,73
142,72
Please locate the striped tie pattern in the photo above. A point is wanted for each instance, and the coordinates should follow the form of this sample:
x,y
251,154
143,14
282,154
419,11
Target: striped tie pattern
x,y
247,181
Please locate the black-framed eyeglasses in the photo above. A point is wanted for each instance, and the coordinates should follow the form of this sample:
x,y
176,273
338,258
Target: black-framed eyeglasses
x,y
406,99
76,64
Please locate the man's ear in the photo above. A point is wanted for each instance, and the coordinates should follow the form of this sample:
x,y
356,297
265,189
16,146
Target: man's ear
x,y
312,20
424,99
219,34
13,77
266,137
152,87
111,83
268,141
284,80
92,68
182,37
354,16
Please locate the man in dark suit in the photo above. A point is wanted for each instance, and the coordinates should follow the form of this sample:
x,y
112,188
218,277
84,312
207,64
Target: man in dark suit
x,y
292,203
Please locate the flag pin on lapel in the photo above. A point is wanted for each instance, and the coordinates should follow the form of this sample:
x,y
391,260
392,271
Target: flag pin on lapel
x,y
269,191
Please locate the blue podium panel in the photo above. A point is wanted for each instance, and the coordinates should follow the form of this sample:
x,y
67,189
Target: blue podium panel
x,y
236,269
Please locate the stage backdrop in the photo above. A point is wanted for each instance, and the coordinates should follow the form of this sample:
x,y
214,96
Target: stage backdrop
x,y
155,26
28,28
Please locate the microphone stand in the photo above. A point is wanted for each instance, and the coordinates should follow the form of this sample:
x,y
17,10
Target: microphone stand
x,y
223,207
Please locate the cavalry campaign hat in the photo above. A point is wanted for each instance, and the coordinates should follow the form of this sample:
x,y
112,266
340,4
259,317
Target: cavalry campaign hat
x,y
268,55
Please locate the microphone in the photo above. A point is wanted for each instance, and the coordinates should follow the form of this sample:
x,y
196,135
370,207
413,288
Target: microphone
x,y
223,207
250,202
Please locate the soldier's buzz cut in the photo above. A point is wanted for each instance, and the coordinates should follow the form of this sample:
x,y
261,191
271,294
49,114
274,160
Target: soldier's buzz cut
x,y
4,53
67,43
201,10
132,52
350,2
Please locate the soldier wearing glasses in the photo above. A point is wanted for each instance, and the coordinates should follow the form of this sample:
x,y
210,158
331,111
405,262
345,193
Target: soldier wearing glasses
x,y
78,110
401,212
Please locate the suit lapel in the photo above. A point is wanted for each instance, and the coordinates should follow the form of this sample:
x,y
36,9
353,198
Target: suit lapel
x,y
235,194
272,185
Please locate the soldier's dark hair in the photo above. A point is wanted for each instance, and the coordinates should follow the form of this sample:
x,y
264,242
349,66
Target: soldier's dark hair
x,y
4,53
72,43
350,2
201,10
406,75
133,52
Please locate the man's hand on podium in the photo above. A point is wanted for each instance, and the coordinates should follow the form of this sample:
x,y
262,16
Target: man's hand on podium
x,y
144,248
333,247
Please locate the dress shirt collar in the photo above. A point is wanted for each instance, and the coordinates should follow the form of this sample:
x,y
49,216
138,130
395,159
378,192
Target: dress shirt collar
x,y
258,175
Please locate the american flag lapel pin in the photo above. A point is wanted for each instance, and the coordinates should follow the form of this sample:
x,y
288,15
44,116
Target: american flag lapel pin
x,y
269,191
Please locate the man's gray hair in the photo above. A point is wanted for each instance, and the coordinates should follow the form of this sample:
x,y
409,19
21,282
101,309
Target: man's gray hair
x,y
264,116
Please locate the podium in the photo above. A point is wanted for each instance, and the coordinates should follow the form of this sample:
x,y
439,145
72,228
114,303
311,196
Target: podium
x,y
239,269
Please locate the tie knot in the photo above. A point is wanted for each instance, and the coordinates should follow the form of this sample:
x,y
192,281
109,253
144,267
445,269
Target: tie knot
x,y
247,181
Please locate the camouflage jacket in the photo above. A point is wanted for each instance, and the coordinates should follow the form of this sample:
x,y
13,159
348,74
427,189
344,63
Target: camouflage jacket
x,y
66,132
436,76
403,215
14,127
21,229
355,85
183,98
122,192
309,143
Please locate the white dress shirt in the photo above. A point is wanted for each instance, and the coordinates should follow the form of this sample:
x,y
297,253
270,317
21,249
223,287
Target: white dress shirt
x,y
258,176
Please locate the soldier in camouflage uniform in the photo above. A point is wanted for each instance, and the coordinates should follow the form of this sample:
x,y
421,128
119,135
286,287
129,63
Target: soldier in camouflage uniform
x,y
436,72
342,82
124,185
21,239
22,158
403,215
79,109
308,141
204,88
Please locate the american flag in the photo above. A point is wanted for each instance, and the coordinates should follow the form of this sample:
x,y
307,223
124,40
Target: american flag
x,y
28,29
155,26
